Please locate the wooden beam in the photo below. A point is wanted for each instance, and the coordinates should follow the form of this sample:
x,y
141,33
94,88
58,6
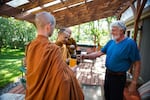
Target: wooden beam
x,y
34,4
73,15
2,2
86,5
124,6
27,17
133,9
59,6
83,19
138,5
53,7
118,17
137,17
80,11
9,11
68,11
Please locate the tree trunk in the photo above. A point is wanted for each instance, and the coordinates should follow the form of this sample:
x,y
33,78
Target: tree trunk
x,y
78,33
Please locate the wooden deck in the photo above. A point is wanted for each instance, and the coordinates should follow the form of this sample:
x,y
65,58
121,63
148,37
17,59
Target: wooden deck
x,y
18,90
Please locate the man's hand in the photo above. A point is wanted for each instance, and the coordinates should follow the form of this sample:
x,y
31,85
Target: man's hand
x,y
83,56
132,87
136,73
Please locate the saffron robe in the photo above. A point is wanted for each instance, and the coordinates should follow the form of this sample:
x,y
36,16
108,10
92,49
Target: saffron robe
x,y
71,41
64,50
48,76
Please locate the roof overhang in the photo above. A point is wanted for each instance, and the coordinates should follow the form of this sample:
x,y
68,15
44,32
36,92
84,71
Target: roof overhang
x,y
67,12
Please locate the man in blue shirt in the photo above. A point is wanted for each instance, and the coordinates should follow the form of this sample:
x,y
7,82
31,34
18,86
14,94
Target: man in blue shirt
x,y
121,53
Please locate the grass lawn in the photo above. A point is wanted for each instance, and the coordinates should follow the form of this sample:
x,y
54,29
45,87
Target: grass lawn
x,y
10,62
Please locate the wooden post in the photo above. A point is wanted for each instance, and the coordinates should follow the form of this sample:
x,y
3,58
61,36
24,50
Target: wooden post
x,y
137,16
95,39
139,44
118,17
128,33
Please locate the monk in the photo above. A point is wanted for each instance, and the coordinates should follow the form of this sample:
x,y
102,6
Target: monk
x,y
48,77
61,42
71,43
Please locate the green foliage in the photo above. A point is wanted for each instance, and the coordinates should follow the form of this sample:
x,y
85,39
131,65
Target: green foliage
x,y
54,35
109,20
93,32
10,62
15,33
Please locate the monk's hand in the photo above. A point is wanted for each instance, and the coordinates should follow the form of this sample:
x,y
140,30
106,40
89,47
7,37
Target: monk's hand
x,y
72,46
78,57
132,87
81,57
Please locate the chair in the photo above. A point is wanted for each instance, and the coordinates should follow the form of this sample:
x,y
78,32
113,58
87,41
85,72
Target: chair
x,y
23,71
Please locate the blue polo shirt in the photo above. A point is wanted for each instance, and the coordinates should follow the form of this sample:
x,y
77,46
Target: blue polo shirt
x,y
120,56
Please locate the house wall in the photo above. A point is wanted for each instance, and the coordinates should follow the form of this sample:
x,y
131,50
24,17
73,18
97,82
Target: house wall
x,y
145,50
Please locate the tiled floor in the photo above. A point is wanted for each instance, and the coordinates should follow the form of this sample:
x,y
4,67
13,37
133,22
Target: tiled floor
x,y
91,76
93,92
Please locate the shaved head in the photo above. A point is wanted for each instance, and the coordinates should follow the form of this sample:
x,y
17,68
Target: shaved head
x,y
62,32
68,30
43,18
45,23
63,36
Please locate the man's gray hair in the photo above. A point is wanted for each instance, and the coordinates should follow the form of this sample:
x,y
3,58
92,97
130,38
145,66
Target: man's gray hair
x,y
43,18
119,24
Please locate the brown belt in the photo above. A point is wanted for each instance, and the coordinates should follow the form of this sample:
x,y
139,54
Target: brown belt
x,y
115,73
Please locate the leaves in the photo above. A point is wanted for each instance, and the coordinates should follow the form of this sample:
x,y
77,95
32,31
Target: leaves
x,y
93,32
15,33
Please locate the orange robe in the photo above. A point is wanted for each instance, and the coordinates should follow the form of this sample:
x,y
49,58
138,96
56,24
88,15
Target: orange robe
x,y
71,41
48,76
64,50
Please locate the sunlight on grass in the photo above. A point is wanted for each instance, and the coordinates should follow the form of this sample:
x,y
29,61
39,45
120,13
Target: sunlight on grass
x,y
10,62
4,71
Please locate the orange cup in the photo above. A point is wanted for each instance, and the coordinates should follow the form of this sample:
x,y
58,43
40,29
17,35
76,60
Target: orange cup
x,y
72,62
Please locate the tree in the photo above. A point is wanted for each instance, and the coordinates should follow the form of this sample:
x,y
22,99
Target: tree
x,y
109,20
15,33
96,30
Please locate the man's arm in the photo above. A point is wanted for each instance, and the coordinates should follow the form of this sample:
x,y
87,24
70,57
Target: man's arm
x,y
92,55
136,73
